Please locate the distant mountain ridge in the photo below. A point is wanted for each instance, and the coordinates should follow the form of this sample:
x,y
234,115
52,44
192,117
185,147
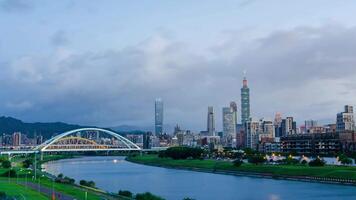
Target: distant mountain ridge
x,y
9,125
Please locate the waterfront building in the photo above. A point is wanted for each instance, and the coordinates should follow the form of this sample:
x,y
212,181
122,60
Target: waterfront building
x,y
158,116
16,139
252,129
345,120
211,122
240,136
312,144
245,102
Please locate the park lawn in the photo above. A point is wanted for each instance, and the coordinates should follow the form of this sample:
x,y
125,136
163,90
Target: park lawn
x,y
19,191
343,172
71,190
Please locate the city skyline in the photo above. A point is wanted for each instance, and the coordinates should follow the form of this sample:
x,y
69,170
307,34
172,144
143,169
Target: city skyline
x,y
108,76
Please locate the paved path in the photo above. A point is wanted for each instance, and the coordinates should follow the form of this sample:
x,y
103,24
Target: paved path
x,y
48,191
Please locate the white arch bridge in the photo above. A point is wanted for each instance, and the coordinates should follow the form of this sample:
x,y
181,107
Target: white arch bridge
x,y
83,139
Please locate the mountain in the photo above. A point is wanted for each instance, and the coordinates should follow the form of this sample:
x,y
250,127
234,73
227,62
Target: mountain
x,y
140,129
9,125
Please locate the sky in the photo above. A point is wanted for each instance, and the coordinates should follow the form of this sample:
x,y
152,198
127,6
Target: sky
x,y
104,63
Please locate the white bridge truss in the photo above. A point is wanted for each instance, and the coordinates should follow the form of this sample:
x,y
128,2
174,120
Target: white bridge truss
x,y
73,141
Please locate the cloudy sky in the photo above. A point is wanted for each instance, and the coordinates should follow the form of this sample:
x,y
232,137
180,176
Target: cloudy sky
x,y
103,63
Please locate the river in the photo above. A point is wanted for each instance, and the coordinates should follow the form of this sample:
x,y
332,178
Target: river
x,y
114,173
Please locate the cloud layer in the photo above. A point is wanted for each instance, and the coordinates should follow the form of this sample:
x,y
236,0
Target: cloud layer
x,y
306,72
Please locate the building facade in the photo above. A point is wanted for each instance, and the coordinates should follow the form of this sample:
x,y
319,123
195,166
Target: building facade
x,y
245,102
211,122
158,116
345,120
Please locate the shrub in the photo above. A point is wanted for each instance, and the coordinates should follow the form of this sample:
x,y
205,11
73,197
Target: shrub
x,y
65,180
87,183
11,173
183,152
345,160
237,162
317,162
27,163
256,159
125,193
147,196
304,162
290,161
6,164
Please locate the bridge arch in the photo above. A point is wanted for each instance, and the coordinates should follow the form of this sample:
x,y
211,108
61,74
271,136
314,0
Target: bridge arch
x,y
45,147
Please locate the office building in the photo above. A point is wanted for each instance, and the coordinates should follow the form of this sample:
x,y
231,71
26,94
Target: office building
x,y
16,139
211,122
229,127
309,125
158,116
252,129
345,120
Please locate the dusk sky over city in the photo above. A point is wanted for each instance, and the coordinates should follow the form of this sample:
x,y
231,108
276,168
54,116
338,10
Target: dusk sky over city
x,y
104,63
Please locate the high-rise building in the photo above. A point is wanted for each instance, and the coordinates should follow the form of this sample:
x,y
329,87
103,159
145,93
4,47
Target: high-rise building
x,y
345,120
278,124
158,116
233,106
229,126
211,122
288,126
309,124
16,139
245,102
252,129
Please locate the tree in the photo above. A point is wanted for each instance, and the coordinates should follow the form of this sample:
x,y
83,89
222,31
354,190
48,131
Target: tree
x,y
125,193
3,195
317,162
344,159
237,162
256,159
183,152
6,164
27,163
147,196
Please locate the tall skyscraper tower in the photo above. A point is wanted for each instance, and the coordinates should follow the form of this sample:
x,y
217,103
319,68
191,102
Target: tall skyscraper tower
x,y
245,102
158,116
211,122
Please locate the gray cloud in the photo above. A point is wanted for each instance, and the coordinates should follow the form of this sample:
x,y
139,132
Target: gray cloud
x,y
15,5
59,38
304,72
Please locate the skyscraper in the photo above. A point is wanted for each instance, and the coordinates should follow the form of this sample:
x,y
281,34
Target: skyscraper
x,y
229,125
211,122
158,116
245,102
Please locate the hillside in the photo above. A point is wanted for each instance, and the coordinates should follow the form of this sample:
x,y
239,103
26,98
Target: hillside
x,y
9,125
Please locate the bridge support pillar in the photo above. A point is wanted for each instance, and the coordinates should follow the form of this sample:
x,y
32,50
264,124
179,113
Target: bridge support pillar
x,y
41,155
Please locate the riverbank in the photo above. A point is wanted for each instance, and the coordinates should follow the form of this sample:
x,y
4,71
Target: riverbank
x,y
328,174
23,184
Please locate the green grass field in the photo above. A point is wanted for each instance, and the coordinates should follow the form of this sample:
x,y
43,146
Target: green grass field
x,y
19,191
342,172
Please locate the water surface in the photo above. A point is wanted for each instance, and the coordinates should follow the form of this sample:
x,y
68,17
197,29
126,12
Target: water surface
x,y
114,174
